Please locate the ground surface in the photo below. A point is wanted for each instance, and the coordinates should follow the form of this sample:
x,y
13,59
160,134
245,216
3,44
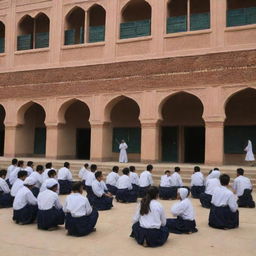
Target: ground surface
x,y
112,237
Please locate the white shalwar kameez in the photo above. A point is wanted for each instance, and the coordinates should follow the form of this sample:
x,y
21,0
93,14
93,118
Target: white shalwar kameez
x,y
123,158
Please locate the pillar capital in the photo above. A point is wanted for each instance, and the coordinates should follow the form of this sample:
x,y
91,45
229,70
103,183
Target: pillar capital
x,y
99,124
150,123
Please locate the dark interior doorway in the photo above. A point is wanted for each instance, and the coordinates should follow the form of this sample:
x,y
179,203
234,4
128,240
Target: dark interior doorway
x,y
40,141
83,143
170,144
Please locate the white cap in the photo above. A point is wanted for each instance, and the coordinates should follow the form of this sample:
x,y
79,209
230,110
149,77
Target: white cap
x,y
50,183
29,181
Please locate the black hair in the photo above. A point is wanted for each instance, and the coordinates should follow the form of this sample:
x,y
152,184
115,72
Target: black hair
x,y
51,173
177,169
210,172
115,169
93,167
216,169
22,173
132,168
86,165
149,167
3,173
224,179
54,186
14,161
48,165
39,168
240,171
167,171
197,169
76,186
152,194
20,163
30,163
66,164
126,171
98,174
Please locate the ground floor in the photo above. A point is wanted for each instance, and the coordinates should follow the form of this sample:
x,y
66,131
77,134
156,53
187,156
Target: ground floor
x,y
201,125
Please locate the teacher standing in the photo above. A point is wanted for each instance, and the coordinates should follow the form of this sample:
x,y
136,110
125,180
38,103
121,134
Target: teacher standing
x,y
123,154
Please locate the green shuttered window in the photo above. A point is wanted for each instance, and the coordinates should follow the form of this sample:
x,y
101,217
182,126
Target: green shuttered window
x,y
132,137
24,42
70,36
177,24
135,29
2,44
199,21
241,17
96,34
42,40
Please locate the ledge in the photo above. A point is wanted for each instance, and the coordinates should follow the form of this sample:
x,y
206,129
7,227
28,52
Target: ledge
x,y
32,51
136,39
86,45
2,54
188,33
240,28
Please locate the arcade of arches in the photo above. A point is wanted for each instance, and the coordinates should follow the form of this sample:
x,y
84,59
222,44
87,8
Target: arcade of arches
x,y
157,126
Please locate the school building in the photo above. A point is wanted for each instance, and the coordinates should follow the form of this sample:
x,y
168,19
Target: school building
x,y
175,78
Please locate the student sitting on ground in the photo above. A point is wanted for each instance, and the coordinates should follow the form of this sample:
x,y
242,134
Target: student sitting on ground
x,y
29,167
81,219
22,175
37,176
242,186
50,213
6,199
149,228
25,204
212,183
51,175
134,177
197,183
89,179
65,179
176,181
14,173
145,181
125,192
224,213
101,198
165,189
10,169
83,171
48,167
112,179
184,211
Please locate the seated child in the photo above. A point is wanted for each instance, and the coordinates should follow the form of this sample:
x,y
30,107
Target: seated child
x,y
6,199
112,179
197,183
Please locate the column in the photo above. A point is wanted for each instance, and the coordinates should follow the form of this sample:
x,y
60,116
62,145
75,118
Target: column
x,y
10,140
52,134
101,142
214,142
150,141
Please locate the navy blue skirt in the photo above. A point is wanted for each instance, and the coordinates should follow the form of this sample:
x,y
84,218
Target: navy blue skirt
x,y
112,189
152,237
196,191
101,203
135,188
168,192
81,226
223,218
246,199
181,226
6,200
35,191
143,191
26,215
65,187
205,200
50,218
126,196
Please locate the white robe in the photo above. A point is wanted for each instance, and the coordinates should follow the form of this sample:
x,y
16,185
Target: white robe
x,y
123,154
249,153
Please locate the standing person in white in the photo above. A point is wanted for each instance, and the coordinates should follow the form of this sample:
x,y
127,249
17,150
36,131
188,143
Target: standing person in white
x,y
123,158
65,179
249,153
145,181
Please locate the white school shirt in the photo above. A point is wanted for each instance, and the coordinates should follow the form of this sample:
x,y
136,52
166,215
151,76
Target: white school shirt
x,y
43,187
98,188
4,186
24,197
134,177
145,179
90,178
211,185
112,178
224,197
14,175
64,174
29,170
124,182
77,205
240,184
183,209
10,169
45,174
86,173
155,217
48,199
165,181
38,178
176,180
16,187
197,179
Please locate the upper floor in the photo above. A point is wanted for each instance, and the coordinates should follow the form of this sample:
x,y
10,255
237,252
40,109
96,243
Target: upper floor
x,y
44,33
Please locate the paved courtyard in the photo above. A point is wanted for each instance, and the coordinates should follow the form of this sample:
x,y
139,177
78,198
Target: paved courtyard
x,y
112,237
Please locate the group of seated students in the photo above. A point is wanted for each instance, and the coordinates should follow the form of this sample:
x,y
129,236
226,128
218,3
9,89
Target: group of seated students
x,y
34,196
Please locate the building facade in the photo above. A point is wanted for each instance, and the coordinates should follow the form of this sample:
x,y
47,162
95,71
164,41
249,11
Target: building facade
x,y
175,78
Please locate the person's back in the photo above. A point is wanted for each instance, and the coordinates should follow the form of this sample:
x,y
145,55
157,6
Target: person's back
x,y
211,185
197,179
16,186
112,178
176,180
124,182
65,179
38,177
145,179
47,200
64,174
165,181
134,177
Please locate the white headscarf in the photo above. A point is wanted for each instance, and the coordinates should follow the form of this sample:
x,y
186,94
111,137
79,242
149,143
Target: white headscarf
x,y
183,193
29,181
51,182
215,174
249,146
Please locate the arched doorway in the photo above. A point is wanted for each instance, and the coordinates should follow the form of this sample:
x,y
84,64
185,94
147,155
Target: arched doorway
x,y
31,134
2,130
125,124
240,125
75,132
183,131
